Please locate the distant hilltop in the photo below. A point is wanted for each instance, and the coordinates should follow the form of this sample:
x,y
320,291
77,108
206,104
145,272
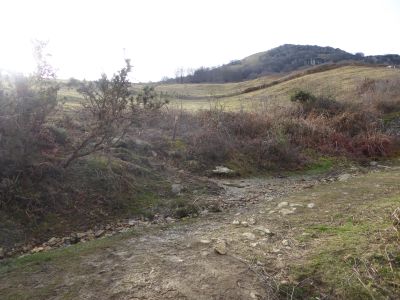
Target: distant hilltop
x,y
282,59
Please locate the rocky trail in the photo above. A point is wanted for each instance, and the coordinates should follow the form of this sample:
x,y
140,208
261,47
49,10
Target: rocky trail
x,y
244,252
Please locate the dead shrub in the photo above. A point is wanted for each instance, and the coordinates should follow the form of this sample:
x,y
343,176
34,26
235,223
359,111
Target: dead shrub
x,y
245,125
367,85
273,152
279,140
383,95
353,123
373,144
209,146
253,137
388,106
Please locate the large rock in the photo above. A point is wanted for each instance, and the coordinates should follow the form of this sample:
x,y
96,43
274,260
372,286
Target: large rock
x,y
221,170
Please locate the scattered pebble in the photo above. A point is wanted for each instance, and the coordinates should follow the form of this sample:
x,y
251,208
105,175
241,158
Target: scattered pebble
x,y
205,242
286,211
344,177
252,221
54,241
37,249
249,236
220,247
255,295
264,230
283,204
99,233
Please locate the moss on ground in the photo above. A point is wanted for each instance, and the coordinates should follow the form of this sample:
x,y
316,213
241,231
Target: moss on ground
x,y
359,259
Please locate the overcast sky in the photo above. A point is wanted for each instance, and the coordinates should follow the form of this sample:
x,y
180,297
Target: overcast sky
x,y
87,37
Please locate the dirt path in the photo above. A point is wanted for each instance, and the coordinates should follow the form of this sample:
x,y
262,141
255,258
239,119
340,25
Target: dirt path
x,y
260,237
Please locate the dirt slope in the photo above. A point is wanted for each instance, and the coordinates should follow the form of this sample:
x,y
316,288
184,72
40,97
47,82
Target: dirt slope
x,y
265,233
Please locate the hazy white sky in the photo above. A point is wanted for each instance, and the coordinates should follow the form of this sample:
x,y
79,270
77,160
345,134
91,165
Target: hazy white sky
x,y
89,37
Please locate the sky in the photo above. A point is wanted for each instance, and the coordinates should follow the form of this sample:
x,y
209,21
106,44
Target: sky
x,y
90,37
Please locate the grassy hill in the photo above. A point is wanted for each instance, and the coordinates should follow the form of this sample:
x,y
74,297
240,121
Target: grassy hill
x,y
281,60
339,81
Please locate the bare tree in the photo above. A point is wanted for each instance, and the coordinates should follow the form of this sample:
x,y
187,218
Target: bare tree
x,y
108,112
179,74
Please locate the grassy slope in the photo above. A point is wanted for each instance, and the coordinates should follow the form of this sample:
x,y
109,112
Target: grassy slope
x,y
340,82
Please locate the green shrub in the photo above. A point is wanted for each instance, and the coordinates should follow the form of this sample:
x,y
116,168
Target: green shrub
x,y
302,97
310,103
60,134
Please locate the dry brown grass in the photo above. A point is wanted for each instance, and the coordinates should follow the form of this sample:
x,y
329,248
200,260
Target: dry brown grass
x,y
280,137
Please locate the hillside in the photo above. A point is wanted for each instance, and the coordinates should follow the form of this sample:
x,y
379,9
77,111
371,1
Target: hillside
x,y
339,81
280,60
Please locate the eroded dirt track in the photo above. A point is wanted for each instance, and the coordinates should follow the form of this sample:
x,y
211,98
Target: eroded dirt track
x,y
181,263
260,236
